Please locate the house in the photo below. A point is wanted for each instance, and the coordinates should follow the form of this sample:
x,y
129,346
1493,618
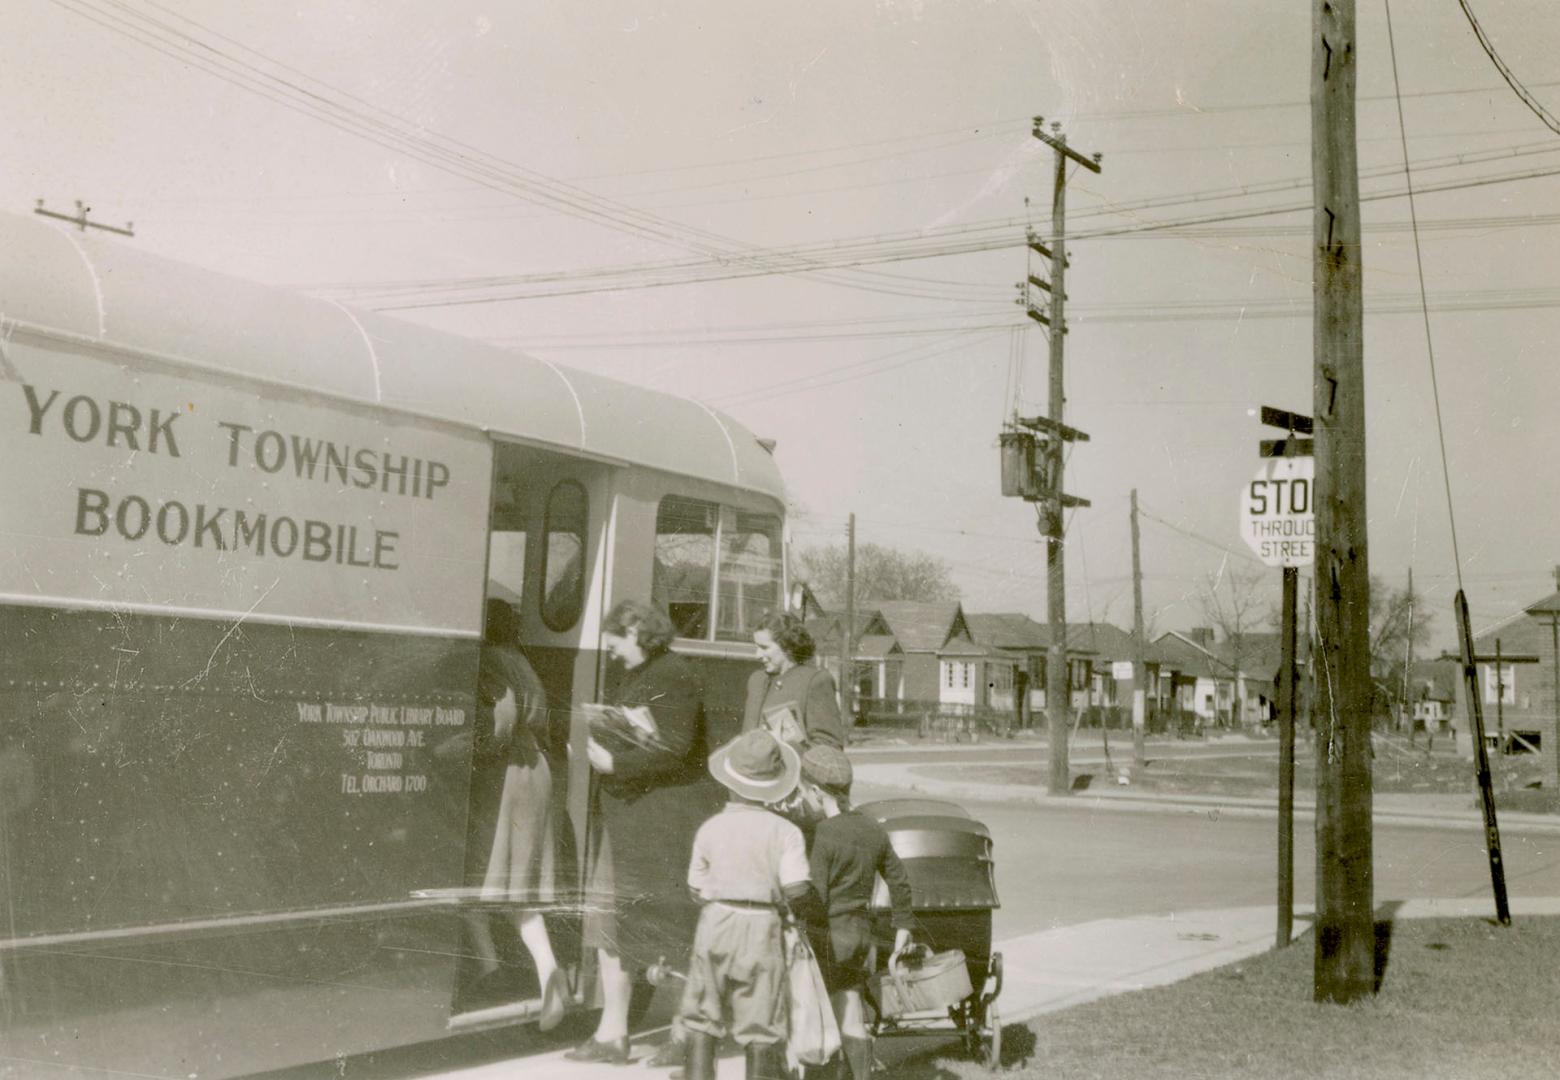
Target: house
x,y
910,656
878,663
1519,698
1432,693
1023,644
1112,651
1199,688
940,660
1251,664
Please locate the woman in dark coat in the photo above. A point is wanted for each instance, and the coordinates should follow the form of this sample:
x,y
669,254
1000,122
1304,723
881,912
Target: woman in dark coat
x,y
794,700
652,799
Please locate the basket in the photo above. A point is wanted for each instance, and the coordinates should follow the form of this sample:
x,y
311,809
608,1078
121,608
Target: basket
x,y
937,984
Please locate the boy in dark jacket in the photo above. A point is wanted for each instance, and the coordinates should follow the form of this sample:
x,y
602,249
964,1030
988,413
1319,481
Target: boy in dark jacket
x,y
849,851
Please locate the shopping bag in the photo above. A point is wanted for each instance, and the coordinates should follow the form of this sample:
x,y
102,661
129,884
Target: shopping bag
x,y
813,1035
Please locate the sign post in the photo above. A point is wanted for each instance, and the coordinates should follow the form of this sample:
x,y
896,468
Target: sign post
x,y
1278,523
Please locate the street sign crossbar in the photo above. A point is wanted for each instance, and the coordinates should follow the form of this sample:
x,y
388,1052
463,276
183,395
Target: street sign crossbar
x,y
1298,423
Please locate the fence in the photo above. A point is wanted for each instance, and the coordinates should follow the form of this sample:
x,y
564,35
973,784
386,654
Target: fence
x,y
958,722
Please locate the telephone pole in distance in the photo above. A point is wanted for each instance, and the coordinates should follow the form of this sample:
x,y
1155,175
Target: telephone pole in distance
x,y
79,219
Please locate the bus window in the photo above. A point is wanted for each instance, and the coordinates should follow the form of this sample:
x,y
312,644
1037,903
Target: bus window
x,y
749,585
563,556
685,563
506,549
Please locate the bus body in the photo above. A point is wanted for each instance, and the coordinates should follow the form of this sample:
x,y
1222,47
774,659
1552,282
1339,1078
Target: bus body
x,y
245,542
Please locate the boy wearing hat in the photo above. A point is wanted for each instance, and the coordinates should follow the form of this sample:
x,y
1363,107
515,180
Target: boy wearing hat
x,y
849,851
747,863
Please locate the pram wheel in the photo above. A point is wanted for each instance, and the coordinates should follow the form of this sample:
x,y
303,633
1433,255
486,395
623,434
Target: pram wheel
x,y
990,1038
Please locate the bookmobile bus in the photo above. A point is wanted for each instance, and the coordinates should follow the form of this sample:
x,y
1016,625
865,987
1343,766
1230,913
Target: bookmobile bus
x,y
245,542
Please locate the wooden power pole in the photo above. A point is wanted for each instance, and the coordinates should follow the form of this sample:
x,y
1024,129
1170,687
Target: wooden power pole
x,y
1345,917
848,631
1139,650
1058,684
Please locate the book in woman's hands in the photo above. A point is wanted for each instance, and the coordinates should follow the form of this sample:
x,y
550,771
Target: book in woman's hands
x,y
618,728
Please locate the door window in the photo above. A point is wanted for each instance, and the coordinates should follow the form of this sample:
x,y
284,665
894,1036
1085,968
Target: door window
x,y
563,556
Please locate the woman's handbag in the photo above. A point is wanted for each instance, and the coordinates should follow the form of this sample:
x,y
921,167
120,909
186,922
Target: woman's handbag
x,y
813,1035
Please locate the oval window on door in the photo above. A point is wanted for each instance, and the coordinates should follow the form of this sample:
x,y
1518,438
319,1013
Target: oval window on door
x,y
563,556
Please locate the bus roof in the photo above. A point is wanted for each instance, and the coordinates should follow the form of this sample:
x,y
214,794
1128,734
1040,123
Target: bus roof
x,y
55,279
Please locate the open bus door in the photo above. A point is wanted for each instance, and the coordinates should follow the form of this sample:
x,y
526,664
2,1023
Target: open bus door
x,y
547,558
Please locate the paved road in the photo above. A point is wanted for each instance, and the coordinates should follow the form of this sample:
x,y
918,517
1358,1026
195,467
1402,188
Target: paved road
x,y
1086,752
1059,867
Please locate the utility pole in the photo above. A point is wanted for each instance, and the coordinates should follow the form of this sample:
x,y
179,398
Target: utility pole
x,y
1139,649
1058,694
79,219
1345,916
848,631
1408,662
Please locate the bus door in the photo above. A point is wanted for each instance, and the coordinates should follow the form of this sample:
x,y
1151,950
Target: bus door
x,y
526,835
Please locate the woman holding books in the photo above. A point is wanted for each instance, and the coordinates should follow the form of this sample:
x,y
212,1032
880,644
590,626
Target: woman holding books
x,y
649,753
795,700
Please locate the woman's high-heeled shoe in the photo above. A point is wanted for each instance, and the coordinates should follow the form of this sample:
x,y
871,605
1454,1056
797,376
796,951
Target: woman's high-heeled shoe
x,y
612,1052
555,996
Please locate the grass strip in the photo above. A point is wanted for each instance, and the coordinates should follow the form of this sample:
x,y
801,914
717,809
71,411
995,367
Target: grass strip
x,y
1458,999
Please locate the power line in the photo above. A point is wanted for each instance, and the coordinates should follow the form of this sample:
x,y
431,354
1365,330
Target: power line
x,y
333,107
999,225
849,373
750,339
1505,73
1227,549
1288,308
839,255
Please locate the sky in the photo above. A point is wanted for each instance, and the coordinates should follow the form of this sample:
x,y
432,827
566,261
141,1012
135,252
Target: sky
x,y
813,217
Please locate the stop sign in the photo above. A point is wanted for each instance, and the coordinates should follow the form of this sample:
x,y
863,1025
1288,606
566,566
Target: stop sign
x,y
1276,518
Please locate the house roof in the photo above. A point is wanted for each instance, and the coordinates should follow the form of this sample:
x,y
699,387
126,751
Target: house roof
x,y
1435,680
827,626
1013,631
1258,657
923,627
1522,634
1176,650
877,646
1008,631
1547,607
1110,642
963,646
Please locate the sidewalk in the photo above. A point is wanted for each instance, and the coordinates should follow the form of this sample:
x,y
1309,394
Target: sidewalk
x,y
1056,969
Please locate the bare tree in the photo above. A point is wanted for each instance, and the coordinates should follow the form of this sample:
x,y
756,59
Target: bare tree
x,y
1398,619
1234,603
882,573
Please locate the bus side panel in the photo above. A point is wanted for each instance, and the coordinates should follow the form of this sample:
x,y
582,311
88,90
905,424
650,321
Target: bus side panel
x,y
227,1004
210,827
